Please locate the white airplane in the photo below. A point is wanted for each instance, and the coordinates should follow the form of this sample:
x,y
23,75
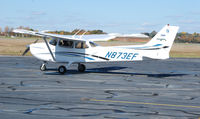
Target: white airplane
x,y
76,49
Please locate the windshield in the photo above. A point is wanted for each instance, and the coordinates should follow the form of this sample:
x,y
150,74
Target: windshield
x,y
93,44
53,42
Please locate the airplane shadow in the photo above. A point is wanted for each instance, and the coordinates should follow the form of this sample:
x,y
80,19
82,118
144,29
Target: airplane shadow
x,y
112,70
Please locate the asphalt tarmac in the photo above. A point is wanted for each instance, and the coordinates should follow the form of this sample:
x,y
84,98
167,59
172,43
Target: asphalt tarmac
x,y
152,89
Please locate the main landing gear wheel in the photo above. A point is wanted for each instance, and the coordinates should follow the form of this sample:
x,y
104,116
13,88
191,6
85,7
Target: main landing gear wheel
x,y
81,67
62,69
43,67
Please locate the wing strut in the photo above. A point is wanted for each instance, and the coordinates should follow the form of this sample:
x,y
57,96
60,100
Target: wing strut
x,y
76,33
45,40
83,34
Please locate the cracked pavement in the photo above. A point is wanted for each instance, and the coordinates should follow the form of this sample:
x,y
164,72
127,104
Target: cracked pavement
x,y
152,89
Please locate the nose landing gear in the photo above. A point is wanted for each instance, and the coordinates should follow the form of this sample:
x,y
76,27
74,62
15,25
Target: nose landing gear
x,y
43,67
63,69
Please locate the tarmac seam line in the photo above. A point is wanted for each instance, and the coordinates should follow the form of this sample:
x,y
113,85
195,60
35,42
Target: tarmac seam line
x,y
143,103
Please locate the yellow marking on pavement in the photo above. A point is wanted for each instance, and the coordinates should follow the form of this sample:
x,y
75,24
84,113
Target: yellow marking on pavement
x,y
144,103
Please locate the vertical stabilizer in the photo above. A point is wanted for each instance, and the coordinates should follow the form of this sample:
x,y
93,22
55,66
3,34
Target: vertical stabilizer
x,y
162,42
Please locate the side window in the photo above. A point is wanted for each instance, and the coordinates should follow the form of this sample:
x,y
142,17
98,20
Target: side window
x,y
81,45
78,45
66,43
53,42
84,45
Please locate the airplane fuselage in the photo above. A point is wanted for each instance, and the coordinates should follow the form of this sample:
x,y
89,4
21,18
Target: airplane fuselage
x,y
89,54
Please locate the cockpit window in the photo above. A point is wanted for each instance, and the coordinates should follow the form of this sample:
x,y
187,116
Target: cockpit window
x,y
66,43
81,45
93,44
53,42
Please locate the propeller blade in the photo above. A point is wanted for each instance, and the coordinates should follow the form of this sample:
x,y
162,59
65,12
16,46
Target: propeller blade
x,y
27,49
36,41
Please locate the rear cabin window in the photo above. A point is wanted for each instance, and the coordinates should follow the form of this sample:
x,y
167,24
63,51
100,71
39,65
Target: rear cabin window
x,y
81,45
66,43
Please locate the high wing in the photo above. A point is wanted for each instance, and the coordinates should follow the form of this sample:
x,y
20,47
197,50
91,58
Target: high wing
x,y
42,34
103,37
99,37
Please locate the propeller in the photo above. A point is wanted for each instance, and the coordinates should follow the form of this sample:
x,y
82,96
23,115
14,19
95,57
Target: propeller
x,y
28,48
36,41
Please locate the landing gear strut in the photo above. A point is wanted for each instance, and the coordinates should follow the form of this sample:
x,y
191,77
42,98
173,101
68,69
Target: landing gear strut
x,y
63,69
81,67
43,67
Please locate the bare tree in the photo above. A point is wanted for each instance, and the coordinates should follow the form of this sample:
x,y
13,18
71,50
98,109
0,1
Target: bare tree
x,y
27,28
20,27
0,31
6,30
11,33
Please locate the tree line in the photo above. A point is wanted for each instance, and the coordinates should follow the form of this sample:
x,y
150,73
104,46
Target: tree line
x,y
182,37
8,32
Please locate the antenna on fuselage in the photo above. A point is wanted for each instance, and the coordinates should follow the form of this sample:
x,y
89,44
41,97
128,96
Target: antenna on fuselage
x,y
83,34
76,33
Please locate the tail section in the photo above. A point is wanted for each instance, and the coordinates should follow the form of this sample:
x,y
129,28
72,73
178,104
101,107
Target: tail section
x,y
161,43
164,37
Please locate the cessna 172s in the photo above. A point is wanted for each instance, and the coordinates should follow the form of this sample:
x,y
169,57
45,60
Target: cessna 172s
x,y
81,49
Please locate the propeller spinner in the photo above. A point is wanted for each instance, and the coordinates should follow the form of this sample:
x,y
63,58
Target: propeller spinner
x,y
28,48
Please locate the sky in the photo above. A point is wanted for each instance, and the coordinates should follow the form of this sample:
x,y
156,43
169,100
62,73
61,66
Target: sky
x,y
111,16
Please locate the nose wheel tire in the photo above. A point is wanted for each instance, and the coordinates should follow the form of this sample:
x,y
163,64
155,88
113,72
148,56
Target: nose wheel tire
x,y
62,69
43,67
81,67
